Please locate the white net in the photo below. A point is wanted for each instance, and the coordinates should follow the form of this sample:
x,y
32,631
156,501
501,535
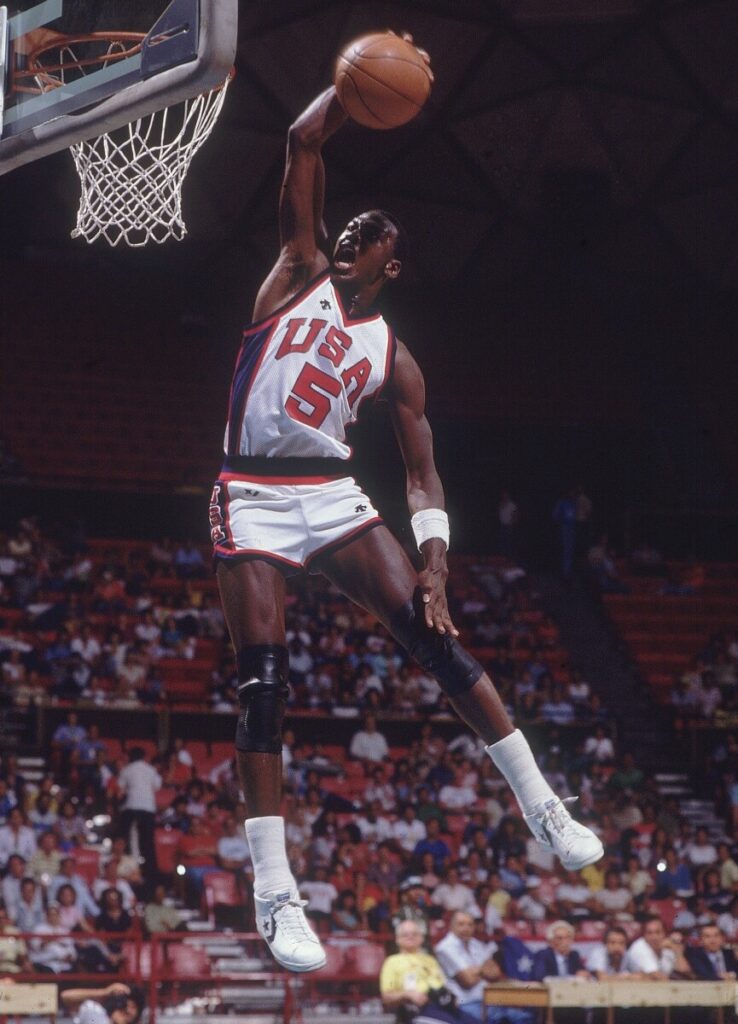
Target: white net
x,y
132,179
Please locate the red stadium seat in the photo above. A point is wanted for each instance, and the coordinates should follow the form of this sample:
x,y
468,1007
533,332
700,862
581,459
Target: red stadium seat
x,y
335,957
365,960
221,887
185,961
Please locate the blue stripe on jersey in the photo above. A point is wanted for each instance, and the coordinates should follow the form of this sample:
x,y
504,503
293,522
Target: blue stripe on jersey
x,y
242,379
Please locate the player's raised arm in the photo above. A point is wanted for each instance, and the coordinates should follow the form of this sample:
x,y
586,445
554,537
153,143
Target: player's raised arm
x,y
424,489
301,232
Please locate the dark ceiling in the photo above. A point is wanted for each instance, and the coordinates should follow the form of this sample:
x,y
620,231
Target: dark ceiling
x,y
611,120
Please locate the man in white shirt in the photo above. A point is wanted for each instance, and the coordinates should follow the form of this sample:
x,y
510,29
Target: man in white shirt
x,y
139,783
233,847
652,954
320,894
451,894
408,830
457,796
469,965
368,744
16,837
607,959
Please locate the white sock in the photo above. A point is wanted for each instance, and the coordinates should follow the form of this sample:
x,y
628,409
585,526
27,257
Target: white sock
x,y
515,760
269,855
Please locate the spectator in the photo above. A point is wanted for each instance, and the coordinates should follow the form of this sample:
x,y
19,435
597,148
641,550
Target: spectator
x,y
126,866
197,852
69,734
453,895
469,964
712,960
110,880
615,900
573,897
116,1004
30,909
68,876
54,955
13,951
46,861
113,918
728,868
607,959
369,745
599,747
159,915
412,980
42,817
16,837
345,916
139,783
412,904
188,562
434,845
652,955
71,827
10,888
558,959
233,849
728,921
408,831
71,915
674,877
321,895
507,515
457,795
701,852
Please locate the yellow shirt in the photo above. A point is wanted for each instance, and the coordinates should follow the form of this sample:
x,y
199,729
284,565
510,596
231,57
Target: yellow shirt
x,y
500,901
594,876
410,972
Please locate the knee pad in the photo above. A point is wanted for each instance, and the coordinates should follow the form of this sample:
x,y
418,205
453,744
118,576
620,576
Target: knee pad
x,y
442,656
262,697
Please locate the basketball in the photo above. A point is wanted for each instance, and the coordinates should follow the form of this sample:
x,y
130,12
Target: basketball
x,y
382,81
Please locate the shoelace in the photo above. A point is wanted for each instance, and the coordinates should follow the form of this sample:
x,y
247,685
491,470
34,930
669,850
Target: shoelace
x,y
294,924
558,818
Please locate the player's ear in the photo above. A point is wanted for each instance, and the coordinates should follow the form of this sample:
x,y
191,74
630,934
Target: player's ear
x,y
392,269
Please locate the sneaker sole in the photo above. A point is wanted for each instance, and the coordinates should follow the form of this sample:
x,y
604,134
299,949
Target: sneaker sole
x,y
579,864
301,968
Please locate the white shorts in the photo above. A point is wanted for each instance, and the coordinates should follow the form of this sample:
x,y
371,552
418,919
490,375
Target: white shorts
x,y
287,524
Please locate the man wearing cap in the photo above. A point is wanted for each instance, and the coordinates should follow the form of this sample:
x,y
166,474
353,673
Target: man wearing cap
x,y
412,904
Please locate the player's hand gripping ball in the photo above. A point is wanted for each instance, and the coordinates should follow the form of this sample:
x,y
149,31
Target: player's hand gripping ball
x,y
382,80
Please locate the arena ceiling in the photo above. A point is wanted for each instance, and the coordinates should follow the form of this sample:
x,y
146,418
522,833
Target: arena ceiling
x,y
609,124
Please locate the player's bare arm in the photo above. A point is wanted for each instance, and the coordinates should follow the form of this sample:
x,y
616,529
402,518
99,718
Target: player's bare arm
x,y
302,234
424,487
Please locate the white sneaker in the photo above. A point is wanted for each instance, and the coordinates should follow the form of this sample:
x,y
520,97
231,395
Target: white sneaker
x,y
281,922
574,844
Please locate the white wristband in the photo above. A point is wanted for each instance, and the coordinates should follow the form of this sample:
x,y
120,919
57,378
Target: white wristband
x,y
430,522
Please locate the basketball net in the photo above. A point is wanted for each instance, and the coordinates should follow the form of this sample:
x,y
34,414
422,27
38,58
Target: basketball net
x,y
131,179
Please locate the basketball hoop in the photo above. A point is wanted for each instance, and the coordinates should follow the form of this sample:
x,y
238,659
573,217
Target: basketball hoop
x,y
131,179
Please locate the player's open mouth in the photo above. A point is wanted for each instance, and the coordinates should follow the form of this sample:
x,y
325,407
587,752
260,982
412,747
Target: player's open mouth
x,y
344,259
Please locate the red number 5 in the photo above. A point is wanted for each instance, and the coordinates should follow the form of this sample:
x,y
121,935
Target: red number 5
x,y
309,390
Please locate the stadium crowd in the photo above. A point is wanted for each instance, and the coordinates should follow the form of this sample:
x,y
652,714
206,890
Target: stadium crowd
x,y
379,836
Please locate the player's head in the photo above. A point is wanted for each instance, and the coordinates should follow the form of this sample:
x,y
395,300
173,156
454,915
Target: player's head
x,y
370,249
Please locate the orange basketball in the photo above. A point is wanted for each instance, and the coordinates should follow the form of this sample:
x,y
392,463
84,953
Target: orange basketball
x,y
382,81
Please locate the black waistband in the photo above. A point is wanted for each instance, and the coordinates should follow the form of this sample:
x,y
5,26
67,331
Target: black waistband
x,y
261,465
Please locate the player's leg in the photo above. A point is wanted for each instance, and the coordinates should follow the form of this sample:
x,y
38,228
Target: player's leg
x,y
252,594
376,573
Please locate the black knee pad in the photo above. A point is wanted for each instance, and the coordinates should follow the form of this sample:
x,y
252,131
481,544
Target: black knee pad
x,y
442,656
262,697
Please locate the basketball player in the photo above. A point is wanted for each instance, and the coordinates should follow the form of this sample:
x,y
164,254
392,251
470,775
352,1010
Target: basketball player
x,y
286,502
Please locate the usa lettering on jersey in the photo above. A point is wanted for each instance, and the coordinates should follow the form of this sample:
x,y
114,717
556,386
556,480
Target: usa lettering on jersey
x,y
300,377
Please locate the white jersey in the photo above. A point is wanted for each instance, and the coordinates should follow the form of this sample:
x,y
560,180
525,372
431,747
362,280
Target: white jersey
x,y
301,375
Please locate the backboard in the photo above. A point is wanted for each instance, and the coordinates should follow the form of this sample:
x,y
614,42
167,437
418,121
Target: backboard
x,y
71,70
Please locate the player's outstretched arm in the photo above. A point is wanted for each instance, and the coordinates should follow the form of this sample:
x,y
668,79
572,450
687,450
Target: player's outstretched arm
x,y
301,204
424,488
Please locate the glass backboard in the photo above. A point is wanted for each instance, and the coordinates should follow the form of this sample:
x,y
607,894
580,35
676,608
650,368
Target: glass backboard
x,y
73,69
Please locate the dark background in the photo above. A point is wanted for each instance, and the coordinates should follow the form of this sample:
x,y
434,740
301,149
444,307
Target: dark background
x,y
570,194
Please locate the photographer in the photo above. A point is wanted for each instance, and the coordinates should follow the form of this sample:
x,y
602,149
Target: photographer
x,y
116,1004
412,984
